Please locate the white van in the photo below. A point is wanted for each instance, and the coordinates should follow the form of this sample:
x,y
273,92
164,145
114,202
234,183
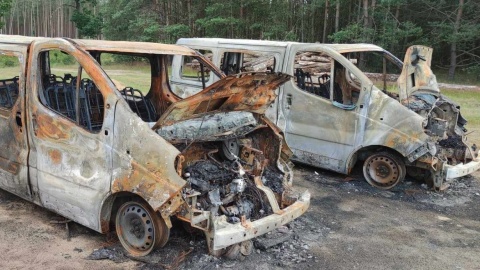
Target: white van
x,y
333,114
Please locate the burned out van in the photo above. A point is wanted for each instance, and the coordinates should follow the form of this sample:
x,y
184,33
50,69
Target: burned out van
x,y
92,131
333,114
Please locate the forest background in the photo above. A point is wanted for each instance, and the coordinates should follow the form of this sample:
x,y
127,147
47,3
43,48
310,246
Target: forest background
x,y
451,27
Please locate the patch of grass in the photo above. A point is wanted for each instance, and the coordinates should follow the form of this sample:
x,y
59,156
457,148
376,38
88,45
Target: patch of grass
x,y
9,72
469,102
461,77
137,77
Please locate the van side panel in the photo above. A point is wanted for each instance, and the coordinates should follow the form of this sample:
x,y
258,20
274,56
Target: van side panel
x,y
72,165
390,124
13,132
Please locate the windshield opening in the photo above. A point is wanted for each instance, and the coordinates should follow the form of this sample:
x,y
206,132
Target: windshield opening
x,y
143,80
380,67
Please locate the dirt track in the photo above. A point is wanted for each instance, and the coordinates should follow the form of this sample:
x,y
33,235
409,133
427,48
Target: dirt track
x,y
348,226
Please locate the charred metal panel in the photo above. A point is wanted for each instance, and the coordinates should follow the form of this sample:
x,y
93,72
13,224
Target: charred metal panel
x,y
13,137
143,162
72,165
220,126
390,124
416,72
251,92
319,133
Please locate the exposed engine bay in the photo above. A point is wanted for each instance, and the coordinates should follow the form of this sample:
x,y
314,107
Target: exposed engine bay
x,y
233,164
444,124
447,144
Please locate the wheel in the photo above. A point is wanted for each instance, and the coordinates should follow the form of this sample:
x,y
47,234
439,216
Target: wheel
x,y
384,170
140,229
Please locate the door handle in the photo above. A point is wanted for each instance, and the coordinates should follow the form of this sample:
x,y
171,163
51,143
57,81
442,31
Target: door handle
x,y
18,119
289,101
34,124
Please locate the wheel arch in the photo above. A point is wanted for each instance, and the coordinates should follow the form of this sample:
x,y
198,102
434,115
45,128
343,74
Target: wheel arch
x,y
363,152
110,206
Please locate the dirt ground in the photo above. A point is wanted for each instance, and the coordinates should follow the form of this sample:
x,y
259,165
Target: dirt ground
x,y
349,226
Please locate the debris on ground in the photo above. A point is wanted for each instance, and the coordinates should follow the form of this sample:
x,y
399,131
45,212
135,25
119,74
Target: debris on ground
x,y
114,254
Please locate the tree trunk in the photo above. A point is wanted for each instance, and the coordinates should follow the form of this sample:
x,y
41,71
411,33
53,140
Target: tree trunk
x,y
189,10
366,24
453,46
397,13
359,11
365,13
325,23
372,10
78,9
337,15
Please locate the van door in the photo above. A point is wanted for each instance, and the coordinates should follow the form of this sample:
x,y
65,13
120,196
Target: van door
x,y
13,135
321,105
70,121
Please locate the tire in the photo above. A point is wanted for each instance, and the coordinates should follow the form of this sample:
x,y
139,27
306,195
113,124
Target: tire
x,y
139,229
384,170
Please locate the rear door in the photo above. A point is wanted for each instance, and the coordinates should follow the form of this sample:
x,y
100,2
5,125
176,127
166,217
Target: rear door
x,y
71,155
13,135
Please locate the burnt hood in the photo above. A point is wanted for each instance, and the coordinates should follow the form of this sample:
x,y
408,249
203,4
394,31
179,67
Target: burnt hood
x,y
247,92
416,73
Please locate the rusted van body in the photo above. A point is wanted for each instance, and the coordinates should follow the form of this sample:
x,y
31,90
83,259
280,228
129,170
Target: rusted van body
x,y
127,159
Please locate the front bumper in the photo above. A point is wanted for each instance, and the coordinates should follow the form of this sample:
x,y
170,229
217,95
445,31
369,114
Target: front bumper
x,y
459,170
225,234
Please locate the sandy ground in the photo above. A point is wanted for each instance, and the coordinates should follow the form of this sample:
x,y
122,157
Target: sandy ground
x,y
348,226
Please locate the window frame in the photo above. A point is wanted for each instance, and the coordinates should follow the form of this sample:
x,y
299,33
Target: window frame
x,y
197,80
274,54
44,63
98,58
5,52
331,80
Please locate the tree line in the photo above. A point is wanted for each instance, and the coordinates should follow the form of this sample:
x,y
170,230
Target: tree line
x,y
451,27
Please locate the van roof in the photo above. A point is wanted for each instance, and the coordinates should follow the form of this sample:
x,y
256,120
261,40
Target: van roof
x,y
106,45
341,48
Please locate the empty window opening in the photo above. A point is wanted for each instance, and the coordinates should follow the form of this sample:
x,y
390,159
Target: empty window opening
x,y
66,87
192,68
9,80
132,76
236,62
312,73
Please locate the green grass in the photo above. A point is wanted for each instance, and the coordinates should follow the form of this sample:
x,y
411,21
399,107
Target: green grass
x,y
461,77
9,72
469,102
137,76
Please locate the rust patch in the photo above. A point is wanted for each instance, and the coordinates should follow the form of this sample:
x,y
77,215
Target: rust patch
x,y
49,127
55,156
148,184
243,92
9,165
105,225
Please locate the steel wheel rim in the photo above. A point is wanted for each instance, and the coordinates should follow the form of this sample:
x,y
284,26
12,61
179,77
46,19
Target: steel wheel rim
x,y
136,228
383,171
